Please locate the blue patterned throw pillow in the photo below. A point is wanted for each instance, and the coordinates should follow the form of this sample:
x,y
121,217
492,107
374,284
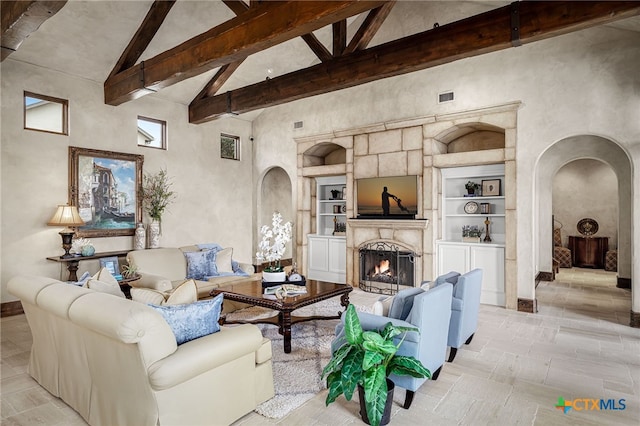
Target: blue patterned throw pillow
x,y
201,264
193,320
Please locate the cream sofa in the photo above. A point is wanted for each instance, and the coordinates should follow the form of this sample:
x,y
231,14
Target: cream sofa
x,y
116,362
163,269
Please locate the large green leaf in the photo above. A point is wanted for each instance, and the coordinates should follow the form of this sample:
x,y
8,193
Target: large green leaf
x,y
334,384
352,327
408,366
383,347
372,358
352,372
335,363
375,393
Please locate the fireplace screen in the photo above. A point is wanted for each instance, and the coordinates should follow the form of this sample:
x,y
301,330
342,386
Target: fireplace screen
x,y
384,267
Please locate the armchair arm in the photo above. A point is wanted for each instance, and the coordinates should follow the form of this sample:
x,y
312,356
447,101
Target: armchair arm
x,y
155,282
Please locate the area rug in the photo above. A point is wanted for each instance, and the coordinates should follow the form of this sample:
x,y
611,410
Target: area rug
x,y
296,375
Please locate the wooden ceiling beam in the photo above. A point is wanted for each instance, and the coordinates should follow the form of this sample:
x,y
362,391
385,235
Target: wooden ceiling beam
x,y
219,79
237,6
477,35
261,27
21,18
339,37
318,48
143,36
369,28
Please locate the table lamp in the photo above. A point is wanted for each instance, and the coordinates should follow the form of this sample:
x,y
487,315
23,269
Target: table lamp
x,y
69,217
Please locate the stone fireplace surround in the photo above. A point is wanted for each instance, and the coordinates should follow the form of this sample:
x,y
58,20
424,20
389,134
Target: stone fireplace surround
x,y
406,147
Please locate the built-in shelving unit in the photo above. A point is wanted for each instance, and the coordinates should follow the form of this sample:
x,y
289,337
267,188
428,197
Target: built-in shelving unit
x,y
454,254
327,248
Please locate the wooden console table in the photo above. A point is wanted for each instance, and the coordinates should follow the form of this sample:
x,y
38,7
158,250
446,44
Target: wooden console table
x,y
588,252
73,262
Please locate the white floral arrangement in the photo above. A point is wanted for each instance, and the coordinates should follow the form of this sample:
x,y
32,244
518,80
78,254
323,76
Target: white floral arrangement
x,y
273,243
79,243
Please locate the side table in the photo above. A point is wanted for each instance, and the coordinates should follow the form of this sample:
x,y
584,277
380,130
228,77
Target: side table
x,y
125,286
74,262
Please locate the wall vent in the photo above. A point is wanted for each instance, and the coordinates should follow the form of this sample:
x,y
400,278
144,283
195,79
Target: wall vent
x,y
445,97
297,125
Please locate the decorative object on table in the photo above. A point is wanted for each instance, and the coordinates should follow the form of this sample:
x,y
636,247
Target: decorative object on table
x,y
487,238
78,244
485,208
112,265
93,171
587,227
69,217
140,238
335,194
88,250
129,271
471,207
471,187
346,369
156,197
272,247
491,187
471,234
294,275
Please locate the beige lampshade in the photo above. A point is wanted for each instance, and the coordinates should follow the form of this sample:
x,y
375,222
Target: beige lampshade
x,y
66,216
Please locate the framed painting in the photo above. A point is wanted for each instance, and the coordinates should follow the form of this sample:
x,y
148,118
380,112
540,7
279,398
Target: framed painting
x,y
106,187
491,187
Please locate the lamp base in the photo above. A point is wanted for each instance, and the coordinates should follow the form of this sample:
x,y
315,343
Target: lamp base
x,y
67,238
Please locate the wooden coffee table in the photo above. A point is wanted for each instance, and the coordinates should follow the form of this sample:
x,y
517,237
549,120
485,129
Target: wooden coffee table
x,y
250,292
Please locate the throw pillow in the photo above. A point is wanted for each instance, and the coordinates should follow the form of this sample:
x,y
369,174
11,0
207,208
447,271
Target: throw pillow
x,y
194,320
403,302
104,287
223,260
147,296
105,276
201,264
382,305
187,292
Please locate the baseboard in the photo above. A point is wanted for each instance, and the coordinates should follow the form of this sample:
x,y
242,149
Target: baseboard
x,y
635,320
624,283
544,276
527,305
9,309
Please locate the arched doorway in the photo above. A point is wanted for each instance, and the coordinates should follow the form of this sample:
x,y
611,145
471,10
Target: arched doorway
x,y
550,162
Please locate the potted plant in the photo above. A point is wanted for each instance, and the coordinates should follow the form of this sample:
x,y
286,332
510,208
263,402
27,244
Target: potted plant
x,y
471,187
272,247
156,197
471,234
366,359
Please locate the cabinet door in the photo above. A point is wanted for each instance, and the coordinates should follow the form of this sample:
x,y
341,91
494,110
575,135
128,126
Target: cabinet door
x,y
318,249
338,255
453,258
491,261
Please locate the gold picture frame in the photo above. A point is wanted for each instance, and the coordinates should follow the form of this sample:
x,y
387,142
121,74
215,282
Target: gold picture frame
x,y
491,187
106,186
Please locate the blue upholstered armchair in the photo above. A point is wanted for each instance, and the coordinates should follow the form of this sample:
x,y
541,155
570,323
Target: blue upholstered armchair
x,y
430,312
465,306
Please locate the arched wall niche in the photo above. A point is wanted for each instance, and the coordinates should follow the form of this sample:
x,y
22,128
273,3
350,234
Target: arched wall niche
x,y
472,137
276,195
555,157
324,154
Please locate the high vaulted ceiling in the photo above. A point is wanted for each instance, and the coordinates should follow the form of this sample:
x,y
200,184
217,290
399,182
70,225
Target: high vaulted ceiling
x,y
258,54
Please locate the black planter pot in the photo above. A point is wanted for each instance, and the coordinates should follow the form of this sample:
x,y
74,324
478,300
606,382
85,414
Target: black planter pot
x,y
386,415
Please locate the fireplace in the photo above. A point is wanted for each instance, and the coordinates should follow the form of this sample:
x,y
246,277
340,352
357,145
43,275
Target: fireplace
x,y
384,268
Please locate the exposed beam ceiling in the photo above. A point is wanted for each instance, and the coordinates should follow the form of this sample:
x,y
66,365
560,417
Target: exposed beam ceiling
x,y
261,27
518,23
21,18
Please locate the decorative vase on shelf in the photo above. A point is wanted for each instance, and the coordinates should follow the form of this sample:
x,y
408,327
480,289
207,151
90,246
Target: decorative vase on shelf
x,y
274,277
154,234
140,239
88,250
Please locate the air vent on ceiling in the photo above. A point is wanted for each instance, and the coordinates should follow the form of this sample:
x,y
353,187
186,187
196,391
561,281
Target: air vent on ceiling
x,y
297,125
445,97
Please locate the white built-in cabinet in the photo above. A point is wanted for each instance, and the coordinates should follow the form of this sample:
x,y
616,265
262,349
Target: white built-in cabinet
x,y
453,253
328,252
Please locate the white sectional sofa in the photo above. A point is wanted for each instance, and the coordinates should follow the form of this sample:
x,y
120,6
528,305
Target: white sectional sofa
x,y
116,361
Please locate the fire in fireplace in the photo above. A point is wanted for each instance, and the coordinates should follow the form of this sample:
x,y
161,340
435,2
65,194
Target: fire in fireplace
x,y
384,268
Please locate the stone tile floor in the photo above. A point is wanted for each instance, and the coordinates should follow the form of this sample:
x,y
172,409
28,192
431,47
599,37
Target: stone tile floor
x,y
578,345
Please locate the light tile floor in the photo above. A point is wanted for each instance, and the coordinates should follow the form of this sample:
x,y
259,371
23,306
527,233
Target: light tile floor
x,y
578,345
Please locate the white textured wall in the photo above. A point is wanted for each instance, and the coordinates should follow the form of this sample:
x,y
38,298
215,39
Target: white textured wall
x,y
578,84
586,188
215,196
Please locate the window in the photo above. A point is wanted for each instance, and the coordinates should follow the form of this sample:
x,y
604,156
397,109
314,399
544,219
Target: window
x,y
46,114
229,147
152,133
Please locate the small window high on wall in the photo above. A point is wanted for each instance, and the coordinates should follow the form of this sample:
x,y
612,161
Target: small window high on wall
x,y
46,113
229,147
152,133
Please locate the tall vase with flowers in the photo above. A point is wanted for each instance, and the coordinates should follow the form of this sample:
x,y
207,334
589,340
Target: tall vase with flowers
x,y
272,247
156,197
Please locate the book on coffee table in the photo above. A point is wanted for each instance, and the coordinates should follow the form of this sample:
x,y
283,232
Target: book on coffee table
x,y
287,289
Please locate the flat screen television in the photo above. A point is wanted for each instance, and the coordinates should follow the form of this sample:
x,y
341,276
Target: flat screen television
x,y
393,197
